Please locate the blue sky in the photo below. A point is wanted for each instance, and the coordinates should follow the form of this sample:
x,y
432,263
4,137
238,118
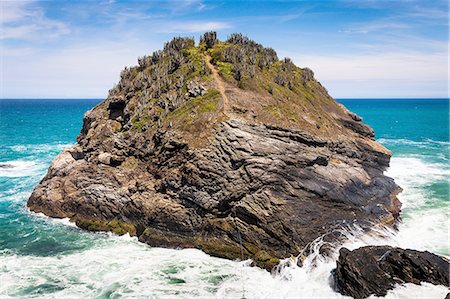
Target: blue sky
x,y
357,48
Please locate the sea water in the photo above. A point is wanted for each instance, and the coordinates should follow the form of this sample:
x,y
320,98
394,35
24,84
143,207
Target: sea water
x,y
47,258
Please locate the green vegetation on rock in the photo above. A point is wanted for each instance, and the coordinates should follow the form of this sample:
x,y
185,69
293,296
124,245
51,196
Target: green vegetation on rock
x,y
115,226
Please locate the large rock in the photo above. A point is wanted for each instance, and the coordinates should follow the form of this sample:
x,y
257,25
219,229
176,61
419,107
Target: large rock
x,y
183,164
377,269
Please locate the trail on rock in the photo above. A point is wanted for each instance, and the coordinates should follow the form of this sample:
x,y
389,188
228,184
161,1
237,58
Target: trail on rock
x,y
219,83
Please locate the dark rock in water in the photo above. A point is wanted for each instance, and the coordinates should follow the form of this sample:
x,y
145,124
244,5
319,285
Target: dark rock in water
x,y
6,166
448,296
377,269
169,158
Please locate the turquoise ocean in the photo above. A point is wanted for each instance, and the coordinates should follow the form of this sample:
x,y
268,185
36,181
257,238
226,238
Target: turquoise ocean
x,y
47,258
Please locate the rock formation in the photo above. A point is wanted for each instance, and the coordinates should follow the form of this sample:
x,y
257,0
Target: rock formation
x,y
197,144
376,269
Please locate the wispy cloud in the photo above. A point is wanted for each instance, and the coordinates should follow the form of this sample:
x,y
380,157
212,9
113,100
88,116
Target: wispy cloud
x,y
187,5
379,25
410,74
194,26
371,4
12,11
84,70
25,20
409,14
429,12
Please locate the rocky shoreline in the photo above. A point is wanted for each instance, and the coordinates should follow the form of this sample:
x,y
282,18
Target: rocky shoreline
x,y
206,145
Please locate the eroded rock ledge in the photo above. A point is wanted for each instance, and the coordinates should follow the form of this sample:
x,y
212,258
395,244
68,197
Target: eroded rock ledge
x,y
186,152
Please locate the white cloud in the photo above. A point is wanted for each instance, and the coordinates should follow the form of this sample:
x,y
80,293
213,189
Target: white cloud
x,y
187,5
391,66
383,25
25,20
77,72
429,13
410,74
13,11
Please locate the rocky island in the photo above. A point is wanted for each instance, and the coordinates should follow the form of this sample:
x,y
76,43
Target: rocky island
x,y
217,144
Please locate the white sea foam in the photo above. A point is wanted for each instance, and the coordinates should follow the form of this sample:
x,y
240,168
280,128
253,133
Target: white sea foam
x,y
29,167
21,168
415,172
58,221
387,141
413,291
425,223
64,221
40,148
122,266
19,148
421,144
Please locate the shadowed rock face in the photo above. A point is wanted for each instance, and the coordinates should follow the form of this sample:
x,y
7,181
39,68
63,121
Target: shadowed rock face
x,y
376,269
189,149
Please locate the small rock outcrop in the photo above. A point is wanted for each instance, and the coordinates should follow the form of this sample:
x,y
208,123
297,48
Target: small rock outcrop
x,y
373,270
200,145
6,166
194,89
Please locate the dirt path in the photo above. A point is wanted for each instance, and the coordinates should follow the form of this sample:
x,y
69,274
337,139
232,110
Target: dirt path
x,y
219,83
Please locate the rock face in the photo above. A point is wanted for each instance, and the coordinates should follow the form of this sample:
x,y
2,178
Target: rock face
x,y
199,143
377,269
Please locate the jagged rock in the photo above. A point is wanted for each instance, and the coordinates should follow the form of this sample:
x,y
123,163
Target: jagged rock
x,y
376,269
355,117
194,89
359,128
104,158
77,152
287,166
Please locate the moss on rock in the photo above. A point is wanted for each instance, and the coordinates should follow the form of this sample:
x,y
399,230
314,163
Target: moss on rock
x,y
116,226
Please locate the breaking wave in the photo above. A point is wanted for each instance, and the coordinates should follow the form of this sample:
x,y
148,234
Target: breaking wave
x,y
21,168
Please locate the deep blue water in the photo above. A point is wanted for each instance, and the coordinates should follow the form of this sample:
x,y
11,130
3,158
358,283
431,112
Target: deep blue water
x,y
40,121
39,256
418,120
